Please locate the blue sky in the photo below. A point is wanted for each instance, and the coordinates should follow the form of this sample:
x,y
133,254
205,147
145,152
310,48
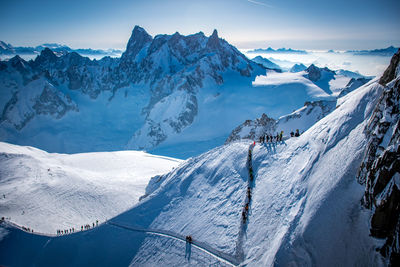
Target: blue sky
x,y
307,24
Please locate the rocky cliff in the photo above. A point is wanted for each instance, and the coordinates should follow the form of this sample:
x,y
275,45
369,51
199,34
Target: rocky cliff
x,y
380,169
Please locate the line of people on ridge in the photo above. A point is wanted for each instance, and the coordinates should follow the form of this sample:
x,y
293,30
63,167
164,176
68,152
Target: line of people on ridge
x,y
83,227
245,210
26,229
270,138
267,138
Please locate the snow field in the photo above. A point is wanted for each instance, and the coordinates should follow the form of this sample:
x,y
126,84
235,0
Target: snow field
x,y
46,192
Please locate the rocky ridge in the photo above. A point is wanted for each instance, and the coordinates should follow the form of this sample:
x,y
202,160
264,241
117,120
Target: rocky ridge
x,y
380,169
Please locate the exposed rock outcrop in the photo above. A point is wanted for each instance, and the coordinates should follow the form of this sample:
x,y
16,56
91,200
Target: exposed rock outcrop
x,y
380,169
253,129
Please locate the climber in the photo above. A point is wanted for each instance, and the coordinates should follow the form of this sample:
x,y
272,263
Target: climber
x,y
291,134
280,136
297,134
189,238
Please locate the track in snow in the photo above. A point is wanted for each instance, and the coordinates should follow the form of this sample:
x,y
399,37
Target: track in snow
x,y
247,202
221,256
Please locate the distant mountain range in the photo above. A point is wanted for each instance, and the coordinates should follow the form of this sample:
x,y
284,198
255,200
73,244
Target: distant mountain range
x,y
270,50
58,49
389,51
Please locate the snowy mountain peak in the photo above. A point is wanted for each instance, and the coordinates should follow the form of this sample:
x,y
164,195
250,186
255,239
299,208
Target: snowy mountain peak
x,y
138,40
213,40
18,63
47,55
393,71
214,34
5,47
315,73
298,68
266,63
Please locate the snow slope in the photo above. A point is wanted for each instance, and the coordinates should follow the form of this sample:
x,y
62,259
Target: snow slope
x,y
305,208
46,192
312,214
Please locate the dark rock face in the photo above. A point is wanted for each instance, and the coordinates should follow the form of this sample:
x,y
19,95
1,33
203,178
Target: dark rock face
x,y
138,40
314,73
50,102
390,72
380,169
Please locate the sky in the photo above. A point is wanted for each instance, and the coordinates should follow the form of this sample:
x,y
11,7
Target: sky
x,y
307,24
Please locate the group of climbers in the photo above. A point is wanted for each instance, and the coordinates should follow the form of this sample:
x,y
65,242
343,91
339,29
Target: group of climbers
x,y
66,231
267,138
27,229
72,230
296,134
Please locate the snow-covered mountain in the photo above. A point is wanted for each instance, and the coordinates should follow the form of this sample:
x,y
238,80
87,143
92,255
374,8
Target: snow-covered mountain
x,y
166,93
353,84
266,63
46,192
306,116
389,51
334,82
304,207
298,68
8,49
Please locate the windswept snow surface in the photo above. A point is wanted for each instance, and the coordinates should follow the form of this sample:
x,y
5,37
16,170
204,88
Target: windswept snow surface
x,y
46,192
296,80
305,208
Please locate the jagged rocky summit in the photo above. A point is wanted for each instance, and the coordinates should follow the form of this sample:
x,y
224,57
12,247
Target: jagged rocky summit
x,y
154,73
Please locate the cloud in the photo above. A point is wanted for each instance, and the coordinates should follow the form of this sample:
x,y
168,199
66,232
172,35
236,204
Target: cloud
x,y
259,3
